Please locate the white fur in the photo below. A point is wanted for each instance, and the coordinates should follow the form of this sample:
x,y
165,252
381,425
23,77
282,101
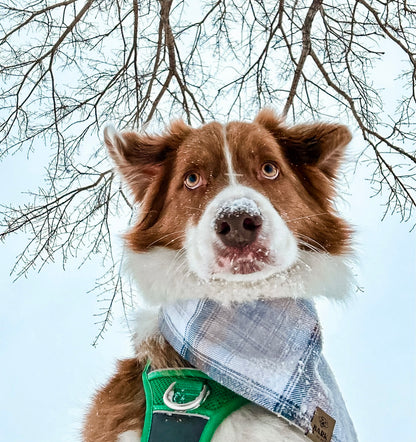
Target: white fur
x,y
146,323
228,158
129,436
255,424
312,275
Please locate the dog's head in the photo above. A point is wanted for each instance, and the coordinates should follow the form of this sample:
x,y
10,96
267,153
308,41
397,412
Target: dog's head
x,y
241,203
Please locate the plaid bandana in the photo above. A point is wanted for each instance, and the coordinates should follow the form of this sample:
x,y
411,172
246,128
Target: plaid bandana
x,y
268,351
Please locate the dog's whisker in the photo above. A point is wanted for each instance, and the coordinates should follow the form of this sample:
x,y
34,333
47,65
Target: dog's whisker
x,y
178,255
163,237
194,208
306,217
175,239
175,264
309,246
182,267
318,246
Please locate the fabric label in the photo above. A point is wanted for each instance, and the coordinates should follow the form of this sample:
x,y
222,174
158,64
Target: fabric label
x,y
322,426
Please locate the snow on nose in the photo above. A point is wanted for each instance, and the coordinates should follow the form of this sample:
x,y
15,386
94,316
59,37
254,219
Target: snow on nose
x,y
238,222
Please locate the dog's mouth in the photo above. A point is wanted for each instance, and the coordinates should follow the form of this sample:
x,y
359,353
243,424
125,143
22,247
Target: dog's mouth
x,y
242,261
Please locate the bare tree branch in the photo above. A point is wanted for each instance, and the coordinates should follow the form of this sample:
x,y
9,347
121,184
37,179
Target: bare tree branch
x,y
306,48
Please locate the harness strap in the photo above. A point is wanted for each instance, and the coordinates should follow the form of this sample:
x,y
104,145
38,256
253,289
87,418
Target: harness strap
x,y
184,404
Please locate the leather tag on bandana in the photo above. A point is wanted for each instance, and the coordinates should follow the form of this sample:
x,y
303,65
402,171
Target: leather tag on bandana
x,y
322,426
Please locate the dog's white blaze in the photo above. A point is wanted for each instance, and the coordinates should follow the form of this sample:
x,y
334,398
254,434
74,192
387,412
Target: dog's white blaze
x,y
228,158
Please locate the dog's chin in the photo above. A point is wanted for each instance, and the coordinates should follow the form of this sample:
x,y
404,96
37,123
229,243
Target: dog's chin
x,y
242,261
246,272
246,268
251,263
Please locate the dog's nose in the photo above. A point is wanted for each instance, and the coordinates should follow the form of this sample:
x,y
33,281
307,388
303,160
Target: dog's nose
x,y
238,229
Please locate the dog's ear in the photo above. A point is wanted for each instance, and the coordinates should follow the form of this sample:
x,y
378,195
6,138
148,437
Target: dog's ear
x,y
142,159
318,144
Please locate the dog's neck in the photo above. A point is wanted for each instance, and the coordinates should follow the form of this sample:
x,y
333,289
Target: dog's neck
x,y
163,277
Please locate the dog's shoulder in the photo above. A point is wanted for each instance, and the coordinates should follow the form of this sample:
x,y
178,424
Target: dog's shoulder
x,y
119,406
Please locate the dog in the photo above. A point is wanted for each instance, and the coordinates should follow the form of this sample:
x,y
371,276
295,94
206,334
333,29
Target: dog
x,y
229,213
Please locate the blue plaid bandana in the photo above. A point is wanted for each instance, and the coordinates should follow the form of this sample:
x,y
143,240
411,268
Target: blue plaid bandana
x,y
268,351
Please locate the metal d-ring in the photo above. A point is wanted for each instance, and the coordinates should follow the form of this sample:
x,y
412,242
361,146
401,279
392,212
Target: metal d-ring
x,y
191,405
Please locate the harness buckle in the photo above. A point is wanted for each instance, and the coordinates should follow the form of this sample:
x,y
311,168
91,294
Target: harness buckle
x,y
174,399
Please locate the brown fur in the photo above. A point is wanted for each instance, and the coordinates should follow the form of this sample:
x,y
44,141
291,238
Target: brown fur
x,y
119,406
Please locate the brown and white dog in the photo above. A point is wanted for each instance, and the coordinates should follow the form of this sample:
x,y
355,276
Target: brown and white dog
x,y
182,246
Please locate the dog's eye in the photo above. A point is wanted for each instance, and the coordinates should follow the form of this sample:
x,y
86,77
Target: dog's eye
x,y
193,180
269,171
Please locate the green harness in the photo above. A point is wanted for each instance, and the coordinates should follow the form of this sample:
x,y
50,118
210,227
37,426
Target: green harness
x,y
184,404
